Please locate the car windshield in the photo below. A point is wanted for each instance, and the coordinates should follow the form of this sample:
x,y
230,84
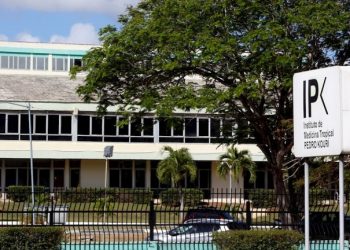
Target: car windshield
x,y
228,215
182,230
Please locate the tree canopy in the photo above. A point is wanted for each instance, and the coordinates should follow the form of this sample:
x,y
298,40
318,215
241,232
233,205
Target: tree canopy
x,y
176,166
236,161
245,51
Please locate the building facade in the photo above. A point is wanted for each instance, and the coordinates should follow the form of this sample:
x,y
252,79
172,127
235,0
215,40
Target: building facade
x,y
38,100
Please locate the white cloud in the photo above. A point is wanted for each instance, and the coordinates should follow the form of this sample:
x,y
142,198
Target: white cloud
x,y
97,6
26,37
3,37
80,33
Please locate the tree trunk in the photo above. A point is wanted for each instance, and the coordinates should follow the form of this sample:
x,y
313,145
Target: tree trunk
x,y
282,197
181,195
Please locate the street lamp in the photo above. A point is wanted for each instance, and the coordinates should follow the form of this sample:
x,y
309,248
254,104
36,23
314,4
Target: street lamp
x,y
28,107
107,153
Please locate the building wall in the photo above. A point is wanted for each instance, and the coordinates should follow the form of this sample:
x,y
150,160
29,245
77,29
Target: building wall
x,y
224,183
92,173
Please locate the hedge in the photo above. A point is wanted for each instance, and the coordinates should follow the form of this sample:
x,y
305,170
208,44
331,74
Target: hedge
x,y
139,196
192,196
23,193
262,198
258,240
31,238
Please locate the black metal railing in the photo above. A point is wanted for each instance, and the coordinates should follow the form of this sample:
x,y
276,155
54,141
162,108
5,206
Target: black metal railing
x,y
136,216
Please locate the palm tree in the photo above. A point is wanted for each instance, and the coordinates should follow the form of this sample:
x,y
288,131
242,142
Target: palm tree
x,y
233,162
173,169
176,166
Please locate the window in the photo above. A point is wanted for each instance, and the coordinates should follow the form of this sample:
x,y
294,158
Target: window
x,y
44,177
191,127
23,177
203,126
59,124
4,62
66,124
40,63
12,123
2,123
136,127
74,173
178,127
17,172
215,127
110,125
58,173
96,125
74,177
59,64
8,123
76,62
120,174
40,124
227,128
148,126
140,174
58,178
25,124
24,62
53,124
11,176
83,125
14,62
123,126
164,127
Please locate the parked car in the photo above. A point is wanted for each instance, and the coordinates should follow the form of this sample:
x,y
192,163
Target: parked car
x,y
192,232
325,225
215,214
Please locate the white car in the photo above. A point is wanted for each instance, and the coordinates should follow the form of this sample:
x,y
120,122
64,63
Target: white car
x,y
192,232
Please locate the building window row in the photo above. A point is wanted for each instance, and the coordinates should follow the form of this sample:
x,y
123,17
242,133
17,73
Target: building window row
x,y
14,62
38,62
43,127
14,126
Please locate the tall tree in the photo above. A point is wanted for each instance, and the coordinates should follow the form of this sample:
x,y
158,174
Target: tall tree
x,y
176,166
234,162
246,52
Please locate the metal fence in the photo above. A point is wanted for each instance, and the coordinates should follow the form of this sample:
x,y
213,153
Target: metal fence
x,y
137,218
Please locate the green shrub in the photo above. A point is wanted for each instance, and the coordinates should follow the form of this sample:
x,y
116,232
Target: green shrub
x,y
31,238
23,193
258,240
171,197
262,197
78,195
81,195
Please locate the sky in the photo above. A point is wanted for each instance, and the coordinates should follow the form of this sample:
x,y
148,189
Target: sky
x,y
58,21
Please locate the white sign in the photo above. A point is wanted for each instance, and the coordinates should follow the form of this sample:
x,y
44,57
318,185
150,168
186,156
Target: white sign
x,y
317,103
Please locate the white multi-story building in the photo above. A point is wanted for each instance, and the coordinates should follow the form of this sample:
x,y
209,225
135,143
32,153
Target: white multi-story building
x,y
68,137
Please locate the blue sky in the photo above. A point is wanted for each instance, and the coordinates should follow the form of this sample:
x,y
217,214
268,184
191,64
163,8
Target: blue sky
x,y
60,21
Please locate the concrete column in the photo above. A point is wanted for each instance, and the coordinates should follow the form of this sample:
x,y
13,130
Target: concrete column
x,y
148,174
156,132
133,174
3,172
66,174
75,125
51,176
49,63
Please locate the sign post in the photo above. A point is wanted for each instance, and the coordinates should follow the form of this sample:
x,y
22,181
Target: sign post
x,y
321,121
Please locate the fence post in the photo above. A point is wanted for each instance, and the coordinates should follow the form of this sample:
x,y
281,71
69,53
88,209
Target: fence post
x,y
51,212
248,214
151,220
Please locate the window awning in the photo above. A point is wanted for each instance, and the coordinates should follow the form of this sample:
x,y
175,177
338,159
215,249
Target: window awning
x,y
126,151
